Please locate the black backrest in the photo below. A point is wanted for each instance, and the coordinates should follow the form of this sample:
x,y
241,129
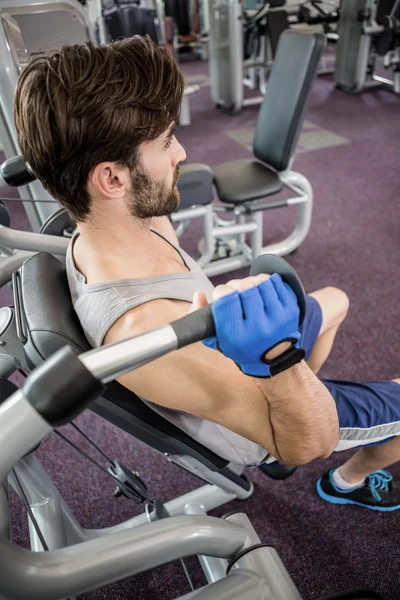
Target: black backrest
x,y
288,90
47,322
277,23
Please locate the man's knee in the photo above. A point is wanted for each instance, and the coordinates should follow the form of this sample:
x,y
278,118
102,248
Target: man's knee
x,y
396,381
334,304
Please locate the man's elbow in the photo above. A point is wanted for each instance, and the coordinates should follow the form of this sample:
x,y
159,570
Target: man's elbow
x,y
301,453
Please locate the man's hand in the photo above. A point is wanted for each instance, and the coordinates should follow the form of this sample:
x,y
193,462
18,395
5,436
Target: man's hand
x,y
255,320
238,285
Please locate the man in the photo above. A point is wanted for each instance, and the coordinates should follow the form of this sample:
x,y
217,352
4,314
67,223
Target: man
x,y
97,126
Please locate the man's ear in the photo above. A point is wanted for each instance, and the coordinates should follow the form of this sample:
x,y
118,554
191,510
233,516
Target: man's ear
x,y
110,179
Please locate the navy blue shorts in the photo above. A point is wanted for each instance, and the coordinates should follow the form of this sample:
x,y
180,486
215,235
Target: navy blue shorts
x,y
369,412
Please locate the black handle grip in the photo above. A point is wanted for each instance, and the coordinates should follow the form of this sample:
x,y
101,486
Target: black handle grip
x,y
199,325
195,327
15,172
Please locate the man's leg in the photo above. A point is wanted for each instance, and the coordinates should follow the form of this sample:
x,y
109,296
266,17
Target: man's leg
x,y
334,305
368,412
371,458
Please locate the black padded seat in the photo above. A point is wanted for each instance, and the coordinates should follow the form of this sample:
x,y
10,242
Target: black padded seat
x,y
245,180
48,322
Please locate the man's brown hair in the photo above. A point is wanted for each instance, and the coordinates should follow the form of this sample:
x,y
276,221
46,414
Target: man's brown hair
x,y
89,104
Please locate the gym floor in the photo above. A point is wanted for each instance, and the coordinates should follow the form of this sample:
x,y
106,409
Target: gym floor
x,y
349,150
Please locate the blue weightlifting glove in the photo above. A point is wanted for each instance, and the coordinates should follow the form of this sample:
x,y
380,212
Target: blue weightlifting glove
x,y
249,324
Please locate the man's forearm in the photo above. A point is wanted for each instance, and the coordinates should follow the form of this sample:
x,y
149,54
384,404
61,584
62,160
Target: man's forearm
x,y
303,415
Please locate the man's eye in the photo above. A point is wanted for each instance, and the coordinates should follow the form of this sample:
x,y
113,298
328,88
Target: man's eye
x,y
168,142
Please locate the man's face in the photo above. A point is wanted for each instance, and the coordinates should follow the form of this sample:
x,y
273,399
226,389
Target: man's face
x,y
154,191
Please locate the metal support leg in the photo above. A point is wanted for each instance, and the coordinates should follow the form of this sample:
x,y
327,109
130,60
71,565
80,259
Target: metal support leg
x,y
265,562
237,585
209,239
304,202
46,503
4,513
257,235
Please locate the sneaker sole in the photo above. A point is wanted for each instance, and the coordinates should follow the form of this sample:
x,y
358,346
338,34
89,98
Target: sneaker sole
x,y
335,500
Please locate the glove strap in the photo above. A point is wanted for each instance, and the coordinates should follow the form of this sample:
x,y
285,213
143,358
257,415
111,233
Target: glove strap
x,y
285,361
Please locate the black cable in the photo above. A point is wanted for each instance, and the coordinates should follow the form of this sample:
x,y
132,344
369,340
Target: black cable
x,y
99,450
75,447
92,460
29,511
187,574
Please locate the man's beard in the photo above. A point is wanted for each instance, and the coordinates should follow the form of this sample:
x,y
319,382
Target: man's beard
x,y
151,198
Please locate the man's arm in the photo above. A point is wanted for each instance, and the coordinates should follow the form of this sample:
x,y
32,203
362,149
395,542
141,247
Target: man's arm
x,y
292,415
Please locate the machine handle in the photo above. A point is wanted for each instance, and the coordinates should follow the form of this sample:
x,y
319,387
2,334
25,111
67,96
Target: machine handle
x,y
15,172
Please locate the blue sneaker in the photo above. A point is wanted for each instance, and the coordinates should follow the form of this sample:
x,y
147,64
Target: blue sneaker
x,y
380,492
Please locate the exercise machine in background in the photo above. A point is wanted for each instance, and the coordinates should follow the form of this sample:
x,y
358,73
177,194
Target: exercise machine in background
x,y
369,33
166,24
243,44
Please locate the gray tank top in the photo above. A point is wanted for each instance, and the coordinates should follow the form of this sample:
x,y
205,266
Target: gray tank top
x,y
100,305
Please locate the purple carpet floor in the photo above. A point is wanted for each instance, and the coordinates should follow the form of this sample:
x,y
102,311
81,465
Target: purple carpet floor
x,y
350,152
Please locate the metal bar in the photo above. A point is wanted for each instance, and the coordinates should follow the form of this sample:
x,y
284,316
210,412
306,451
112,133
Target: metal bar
x,y
253,101
199,501
5,531
226,265
33,242
265,562
234,229
236,586
10,50
213,568
99,562
100,22
383,81
189,213
257,235
10,264
209,239
112,361
18,7
241,489
44,500
22,427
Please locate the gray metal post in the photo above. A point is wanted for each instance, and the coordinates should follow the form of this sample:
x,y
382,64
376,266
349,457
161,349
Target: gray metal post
x,y
237,586
10,344
44,501
12,50
265,562
4,513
